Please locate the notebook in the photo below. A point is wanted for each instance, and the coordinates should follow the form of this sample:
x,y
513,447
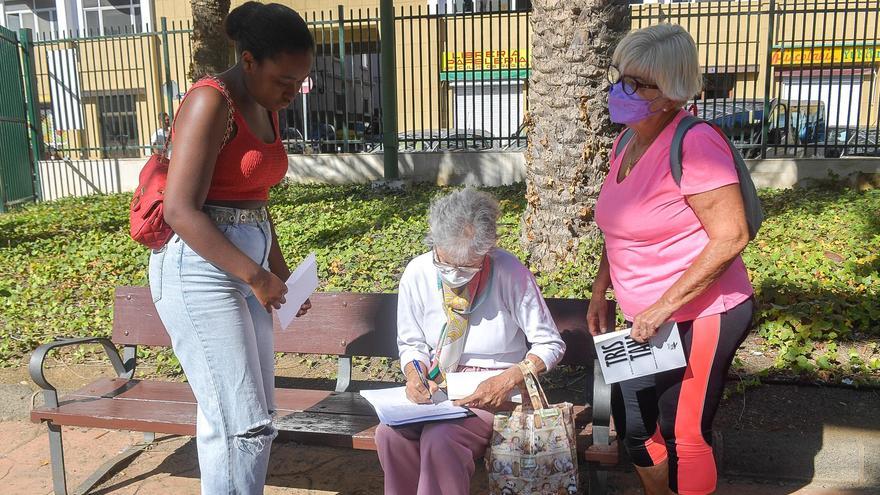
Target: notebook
x,y
394,409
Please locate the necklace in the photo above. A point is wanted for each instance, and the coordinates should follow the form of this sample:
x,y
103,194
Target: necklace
x,y
632,157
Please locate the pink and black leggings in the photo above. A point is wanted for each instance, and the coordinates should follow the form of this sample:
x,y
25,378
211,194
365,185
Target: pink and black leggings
x,y
668,416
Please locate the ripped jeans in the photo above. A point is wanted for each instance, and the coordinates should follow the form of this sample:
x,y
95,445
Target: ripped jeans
x,y
223,339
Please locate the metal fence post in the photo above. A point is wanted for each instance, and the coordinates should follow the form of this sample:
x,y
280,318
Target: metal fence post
x,y
342,75
765,120
166,60
388,75
26,39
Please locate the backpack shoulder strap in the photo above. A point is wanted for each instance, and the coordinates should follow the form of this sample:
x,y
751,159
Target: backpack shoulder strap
x,y
624,138
751,201
675,149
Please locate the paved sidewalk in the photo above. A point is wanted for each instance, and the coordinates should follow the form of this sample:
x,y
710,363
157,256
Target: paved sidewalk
x,y
170,467
777,440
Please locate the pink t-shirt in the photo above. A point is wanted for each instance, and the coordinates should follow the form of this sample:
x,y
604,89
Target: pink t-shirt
x,y
651,233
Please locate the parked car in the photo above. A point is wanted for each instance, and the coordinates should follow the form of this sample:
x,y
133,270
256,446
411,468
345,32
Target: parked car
x,y
852,141
293,140
442,140
516,141
791,123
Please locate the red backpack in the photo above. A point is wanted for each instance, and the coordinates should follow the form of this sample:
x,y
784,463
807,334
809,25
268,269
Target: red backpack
x,y
146,214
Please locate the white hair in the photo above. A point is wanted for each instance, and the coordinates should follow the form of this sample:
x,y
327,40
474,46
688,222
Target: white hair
x,y
664,54
463,224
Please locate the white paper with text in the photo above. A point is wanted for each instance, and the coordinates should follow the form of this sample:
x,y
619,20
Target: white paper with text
x,y
462,384
622,358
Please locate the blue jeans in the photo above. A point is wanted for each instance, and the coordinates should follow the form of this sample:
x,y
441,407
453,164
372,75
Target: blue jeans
x,y
223,339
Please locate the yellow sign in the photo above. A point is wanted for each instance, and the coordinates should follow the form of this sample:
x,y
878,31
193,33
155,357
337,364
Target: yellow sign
x,y
819,56
486,60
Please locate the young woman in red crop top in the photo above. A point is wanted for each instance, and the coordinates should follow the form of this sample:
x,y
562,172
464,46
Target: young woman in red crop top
x,y
220,276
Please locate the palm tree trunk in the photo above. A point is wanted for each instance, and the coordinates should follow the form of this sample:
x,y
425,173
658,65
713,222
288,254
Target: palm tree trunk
x,y
209,43
569,133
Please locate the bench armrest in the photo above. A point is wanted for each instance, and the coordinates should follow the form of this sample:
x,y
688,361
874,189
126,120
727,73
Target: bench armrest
x,y
38,358
601,407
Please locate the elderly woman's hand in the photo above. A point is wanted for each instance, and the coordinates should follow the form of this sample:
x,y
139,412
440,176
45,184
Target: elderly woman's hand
x,y
493,394
646,323
415,387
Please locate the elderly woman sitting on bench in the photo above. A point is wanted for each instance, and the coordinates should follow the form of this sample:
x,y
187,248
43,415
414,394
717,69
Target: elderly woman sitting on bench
x,y
465,305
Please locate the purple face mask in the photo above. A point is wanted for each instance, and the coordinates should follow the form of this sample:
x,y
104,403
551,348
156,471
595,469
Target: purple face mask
x,y
627,109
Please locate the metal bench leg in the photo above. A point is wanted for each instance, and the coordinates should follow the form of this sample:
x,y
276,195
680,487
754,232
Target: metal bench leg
x,y
598,484
343,374
113,465
56,456
598,481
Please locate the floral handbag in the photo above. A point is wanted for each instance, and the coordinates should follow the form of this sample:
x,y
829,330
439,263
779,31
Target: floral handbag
x,y
533,448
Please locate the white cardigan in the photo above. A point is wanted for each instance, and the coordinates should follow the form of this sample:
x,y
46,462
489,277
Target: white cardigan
x,y
513,314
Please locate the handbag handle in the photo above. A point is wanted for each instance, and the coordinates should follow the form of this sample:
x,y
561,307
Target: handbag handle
x,y
230,117
533,386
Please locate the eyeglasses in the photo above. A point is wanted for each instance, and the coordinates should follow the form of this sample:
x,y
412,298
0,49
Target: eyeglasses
x,y
630,84
447,268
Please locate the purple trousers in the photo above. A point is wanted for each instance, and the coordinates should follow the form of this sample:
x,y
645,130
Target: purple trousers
x,y
433,459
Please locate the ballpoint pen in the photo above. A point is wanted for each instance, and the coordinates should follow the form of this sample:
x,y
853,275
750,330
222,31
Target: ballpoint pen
x,y
418,367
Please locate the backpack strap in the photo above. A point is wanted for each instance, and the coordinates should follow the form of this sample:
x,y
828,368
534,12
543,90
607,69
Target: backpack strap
x,y
751,202
675,149
624,138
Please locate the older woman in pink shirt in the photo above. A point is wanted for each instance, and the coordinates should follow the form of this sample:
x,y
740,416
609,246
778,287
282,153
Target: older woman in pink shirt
x,y
672,252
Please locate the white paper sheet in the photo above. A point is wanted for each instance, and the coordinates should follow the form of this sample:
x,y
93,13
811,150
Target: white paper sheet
x,y
622,358
300,285
393,408
461,385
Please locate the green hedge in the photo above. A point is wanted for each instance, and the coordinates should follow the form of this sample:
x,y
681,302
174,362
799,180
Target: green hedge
x,y
815,263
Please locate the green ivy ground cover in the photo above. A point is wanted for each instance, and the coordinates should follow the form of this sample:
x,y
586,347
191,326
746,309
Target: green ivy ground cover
x,y
815,264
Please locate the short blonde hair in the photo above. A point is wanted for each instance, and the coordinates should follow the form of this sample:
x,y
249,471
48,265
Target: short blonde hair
x,y
666,55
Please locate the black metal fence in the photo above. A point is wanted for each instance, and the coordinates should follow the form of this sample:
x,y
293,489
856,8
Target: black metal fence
x,y
107,95
789,78
463,78
341,105
783,78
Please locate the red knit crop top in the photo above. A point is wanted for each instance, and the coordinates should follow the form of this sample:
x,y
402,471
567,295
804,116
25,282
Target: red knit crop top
x,y
247,166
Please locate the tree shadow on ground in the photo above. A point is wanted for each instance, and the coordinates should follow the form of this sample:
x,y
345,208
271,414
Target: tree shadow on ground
x,y
802,434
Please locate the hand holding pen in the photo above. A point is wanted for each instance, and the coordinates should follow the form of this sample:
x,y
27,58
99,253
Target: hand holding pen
x,y
418,388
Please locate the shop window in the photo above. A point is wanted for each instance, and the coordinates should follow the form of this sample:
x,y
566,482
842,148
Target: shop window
x,y
112,16
39,16
464,6
119,133
718,86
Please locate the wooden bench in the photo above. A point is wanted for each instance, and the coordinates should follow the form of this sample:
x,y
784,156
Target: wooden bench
x,y
340,324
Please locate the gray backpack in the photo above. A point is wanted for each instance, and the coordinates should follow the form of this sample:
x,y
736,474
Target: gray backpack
x,y
751,202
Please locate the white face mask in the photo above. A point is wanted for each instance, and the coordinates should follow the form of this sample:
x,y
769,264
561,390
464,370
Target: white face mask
x,y
455,278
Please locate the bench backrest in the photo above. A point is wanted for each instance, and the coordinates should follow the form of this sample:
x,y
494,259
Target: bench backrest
x,y
340,324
